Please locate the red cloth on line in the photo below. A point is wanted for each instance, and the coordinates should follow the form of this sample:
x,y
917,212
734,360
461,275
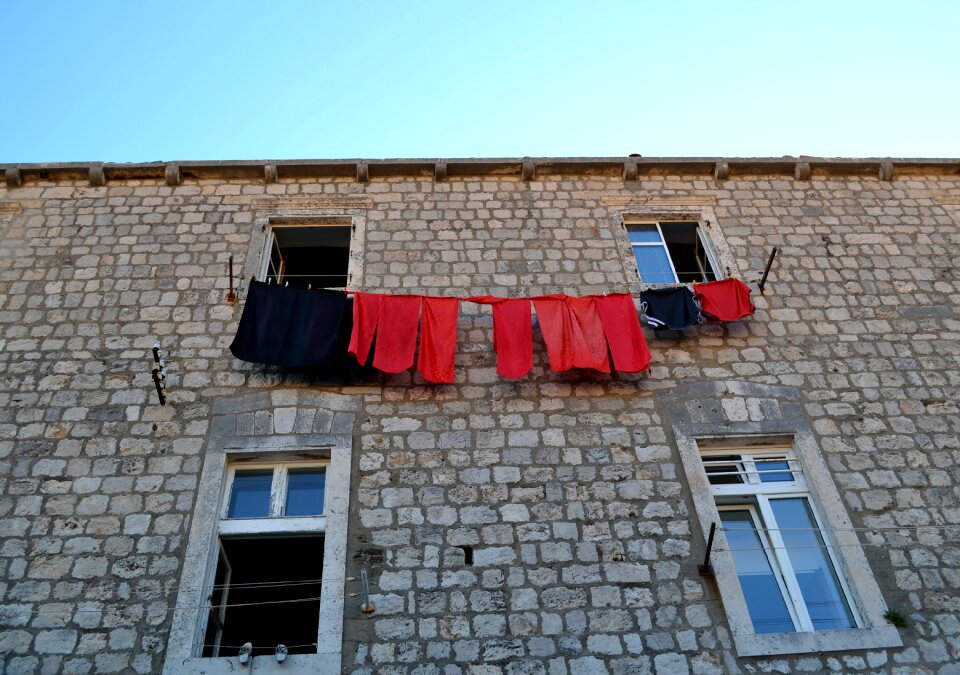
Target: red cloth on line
x,y
438,339
621,325
397,333
572,330
512,334
366,314
393,319
724,300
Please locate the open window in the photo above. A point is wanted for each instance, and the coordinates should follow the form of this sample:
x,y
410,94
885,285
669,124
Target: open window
x,y
308,255
672,252
267,584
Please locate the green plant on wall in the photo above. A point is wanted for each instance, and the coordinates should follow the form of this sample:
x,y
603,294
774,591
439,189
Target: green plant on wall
x,y
895,618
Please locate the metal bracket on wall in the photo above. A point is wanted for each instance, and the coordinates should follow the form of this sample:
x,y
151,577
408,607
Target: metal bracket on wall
x,y
766,271
231,294
159,373
706,569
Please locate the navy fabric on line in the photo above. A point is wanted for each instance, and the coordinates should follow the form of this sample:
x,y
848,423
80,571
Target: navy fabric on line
x,y
293,327
673,308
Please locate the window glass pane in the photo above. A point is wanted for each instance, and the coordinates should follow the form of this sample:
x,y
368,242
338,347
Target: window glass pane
x,y
305,489
760,588
643,234
653,265
250,494
815,574
771,465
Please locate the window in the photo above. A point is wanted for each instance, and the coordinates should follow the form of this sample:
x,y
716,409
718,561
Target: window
x,y
790,569
267,583
268,536
786,566
315,255
672,252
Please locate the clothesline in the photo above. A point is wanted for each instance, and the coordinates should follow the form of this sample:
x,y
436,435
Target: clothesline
x,y
293,327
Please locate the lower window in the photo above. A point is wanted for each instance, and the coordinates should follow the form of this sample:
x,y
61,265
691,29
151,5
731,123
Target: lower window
x,y
267,593
785,566
267,585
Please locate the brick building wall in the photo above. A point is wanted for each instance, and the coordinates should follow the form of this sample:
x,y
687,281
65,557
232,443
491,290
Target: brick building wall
x,y
568,488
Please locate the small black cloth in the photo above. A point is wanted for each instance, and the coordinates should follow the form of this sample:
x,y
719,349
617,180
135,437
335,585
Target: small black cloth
x,y
294,327
674,308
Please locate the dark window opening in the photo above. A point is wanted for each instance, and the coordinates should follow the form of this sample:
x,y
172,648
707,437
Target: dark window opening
x,y
310,256
687,252
724,470
267,592
467,554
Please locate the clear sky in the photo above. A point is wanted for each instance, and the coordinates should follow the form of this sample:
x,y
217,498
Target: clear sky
x,y
216,79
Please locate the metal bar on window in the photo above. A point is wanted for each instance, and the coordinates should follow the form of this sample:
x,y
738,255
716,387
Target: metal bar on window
x,y
752,472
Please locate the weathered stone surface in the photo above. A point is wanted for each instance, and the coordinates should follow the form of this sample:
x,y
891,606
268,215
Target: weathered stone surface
x,y
536,525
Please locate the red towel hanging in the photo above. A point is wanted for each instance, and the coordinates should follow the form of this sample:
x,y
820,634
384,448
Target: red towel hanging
x,y
397,333
572,330
724,300
621,325
438,339
366,314
393,320
512,334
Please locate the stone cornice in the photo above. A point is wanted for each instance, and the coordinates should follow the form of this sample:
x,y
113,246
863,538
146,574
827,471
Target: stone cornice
x,y
629,168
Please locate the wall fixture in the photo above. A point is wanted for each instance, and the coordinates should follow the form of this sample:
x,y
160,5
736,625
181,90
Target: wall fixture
x,y
231,294
159,373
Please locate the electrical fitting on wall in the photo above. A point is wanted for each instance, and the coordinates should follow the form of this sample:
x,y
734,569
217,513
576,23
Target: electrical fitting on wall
x,y
159,373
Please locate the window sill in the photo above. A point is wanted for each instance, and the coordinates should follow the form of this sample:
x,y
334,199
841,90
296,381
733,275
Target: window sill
x,y
774,644
319,664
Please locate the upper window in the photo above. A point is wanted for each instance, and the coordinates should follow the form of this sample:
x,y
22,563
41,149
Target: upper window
x,y
267,584
783,559
308,256
672,252
275,491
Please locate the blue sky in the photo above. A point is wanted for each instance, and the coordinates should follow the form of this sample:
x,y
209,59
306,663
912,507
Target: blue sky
x,y
142,81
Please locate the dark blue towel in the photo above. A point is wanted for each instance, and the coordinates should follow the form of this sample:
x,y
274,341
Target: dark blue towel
x,y
673,308
293,327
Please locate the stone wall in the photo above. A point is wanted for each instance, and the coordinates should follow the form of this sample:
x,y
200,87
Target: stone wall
x,y
567,489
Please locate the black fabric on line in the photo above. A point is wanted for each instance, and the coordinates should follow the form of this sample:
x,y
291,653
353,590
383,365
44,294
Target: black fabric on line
x,y
673,308
294,327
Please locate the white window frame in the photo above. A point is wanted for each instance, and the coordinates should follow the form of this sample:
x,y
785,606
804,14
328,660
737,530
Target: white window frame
x,y
277,223
708,249
760,495
276,522
865,598
189,621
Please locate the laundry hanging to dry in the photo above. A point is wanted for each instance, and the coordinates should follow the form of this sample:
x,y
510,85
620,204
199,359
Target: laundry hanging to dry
x,y
301,328
724,300
512,334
